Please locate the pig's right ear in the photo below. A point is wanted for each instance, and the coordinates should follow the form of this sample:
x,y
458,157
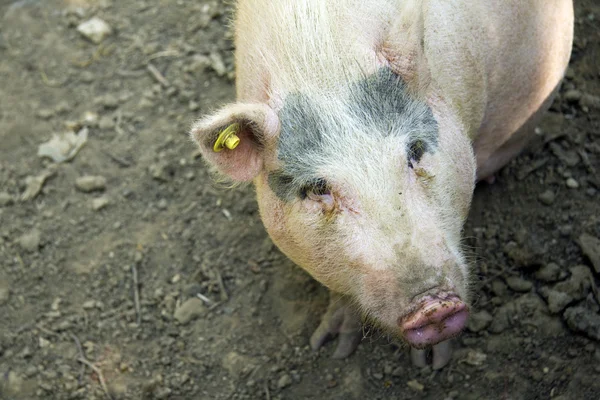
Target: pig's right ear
x,y
256,126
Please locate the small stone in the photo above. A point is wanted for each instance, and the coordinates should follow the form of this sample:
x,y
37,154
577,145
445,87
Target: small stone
x,y
590,101
5,199
415,385
550,272
100,203
45,113
30,241
43,342
518,284
176,278
572,183
547,198
572,96
557,300
62,107
479,321
590,246
14,383
378,375
191,309
106,123
162,204
193,106
582,319
94,29
87,76
109,101
89,304
90,183
284,381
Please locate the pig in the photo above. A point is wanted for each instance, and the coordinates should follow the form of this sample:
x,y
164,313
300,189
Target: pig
x,y
364,127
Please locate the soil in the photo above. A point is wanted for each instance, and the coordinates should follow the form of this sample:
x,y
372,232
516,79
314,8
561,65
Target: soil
x,y
144,280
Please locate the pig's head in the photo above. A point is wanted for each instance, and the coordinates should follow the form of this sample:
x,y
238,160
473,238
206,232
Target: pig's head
x,y
367,189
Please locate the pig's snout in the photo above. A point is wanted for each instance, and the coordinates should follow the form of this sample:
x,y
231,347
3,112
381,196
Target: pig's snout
x,y
437,319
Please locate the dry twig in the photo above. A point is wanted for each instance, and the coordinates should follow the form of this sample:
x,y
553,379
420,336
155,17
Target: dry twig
x,y
100,376
157,75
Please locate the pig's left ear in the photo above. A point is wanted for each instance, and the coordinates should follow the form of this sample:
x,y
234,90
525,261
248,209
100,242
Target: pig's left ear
x,y
236,138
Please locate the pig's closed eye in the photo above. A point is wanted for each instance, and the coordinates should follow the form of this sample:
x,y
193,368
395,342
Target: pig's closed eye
x,y
415,151
315,190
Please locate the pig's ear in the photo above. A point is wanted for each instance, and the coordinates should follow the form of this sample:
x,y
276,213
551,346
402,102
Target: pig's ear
x,y
255,125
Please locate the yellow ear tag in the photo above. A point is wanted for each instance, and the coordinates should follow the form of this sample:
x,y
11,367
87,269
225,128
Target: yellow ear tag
x,y
228,138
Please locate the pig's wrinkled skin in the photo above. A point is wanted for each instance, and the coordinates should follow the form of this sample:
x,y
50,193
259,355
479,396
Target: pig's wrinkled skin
x,y
365,125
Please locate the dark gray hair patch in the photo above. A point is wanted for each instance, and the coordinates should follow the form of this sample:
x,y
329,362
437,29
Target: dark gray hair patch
x,y
383,102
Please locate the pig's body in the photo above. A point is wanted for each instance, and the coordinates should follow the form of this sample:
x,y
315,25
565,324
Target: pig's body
x,y
364,126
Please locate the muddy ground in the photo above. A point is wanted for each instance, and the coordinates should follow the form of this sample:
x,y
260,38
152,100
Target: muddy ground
x,y
126,274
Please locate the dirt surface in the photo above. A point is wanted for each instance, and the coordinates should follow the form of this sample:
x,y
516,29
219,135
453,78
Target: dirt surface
x,y
126,274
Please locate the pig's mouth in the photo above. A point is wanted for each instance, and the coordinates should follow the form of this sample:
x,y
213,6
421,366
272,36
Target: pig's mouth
x,y
438,318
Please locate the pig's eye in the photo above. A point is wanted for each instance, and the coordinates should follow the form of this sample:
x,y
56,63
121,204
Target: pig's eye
x,y
415,151
315,189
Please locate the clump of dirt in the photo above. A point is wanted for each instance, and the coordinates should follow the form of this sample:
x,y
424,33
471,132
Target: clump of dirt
x,y
126,274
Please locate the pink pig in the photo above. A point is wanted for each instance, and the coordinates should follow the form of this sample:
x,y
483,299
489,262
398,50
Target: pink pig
x,y
364,126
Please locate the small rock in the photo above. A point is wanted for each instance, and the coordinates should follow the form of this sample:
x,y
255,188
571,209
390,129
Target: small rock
x,y
501,320
94,29
237,364
582,319
193,106
479,321
45,113
415,385
498,287
30,241
518,284
547,198
475,358
590,246
550,272
5,199
109,101
191,309
557,300
89,304
106,123
162,204
572,183
217,63
572,96
99,203
284,381
14,383
590,101
579,284
90,183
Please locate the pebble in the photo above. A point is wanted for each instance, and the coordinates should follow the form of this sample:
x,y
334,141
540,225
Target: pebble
x,y
572,183
557,300
415,385
106,123
30,241
191,309
284,381
162,204
100,203
479,321
45,113
109,101
90,183
5,199
590,246
572,96
582,319
95,29
547,198
518,284
550,272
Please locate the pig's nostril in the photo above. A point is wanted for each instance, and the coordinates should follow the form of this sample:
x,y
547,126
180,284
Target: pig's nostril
x,y
435,321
